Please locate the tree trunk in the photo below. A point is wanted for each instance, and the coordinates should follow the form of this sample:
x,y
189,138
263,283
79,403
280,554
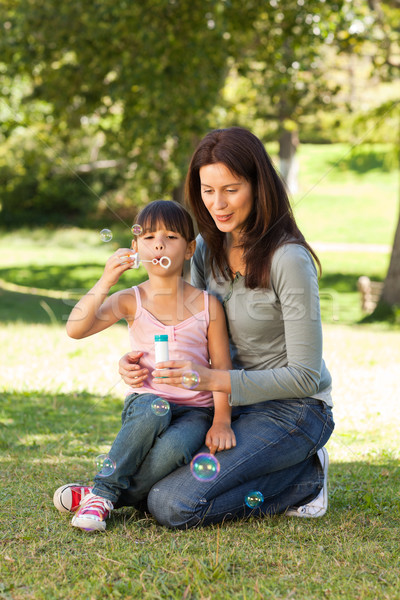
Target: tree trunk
x,y
288,164
178,193
391,287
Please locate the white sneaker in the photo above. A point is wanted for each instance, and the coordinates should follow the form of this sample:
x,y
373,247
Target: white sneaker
x,y
319,505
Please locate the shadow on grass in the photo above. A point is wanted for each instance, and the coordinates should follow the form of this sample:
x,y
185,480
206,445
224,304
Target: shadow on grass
x,y
33,308
368,485
367,158
340,282
36,422
65,278
37,307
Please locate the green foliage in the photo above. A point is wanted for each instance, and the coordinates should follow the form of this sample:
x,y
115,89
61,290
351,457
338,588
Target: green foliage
x,y
38,186
144,75
103,103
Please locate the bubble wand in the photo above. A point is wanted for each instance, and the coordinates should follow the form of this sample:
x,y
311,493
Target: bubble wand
x,y
163,261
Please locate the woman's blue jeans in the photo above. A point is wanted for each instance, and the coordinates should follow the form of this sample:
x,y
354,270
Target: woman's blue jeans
x,y
275,454
148,447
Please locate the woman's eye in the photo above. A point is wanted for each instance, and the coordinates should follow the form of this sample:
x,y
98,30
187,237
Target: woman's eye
x,y
231,191
207,191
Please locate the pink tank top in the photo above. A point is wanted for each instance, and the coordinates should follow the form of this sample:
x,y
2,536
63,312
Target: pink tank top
x,y
186,341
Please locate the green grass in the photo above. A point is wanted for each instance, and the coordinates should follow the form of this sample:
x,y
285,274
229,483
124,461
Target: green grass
x,y
60,403
340,202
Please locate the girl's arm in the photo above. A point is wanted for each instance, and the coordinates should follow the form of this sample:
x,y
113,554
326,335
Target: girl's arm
x,y
95,312
220,436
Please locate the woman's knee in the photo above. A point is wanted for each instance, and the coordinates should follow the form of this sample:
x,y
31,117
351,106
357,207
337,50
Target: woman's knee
x,y
170,509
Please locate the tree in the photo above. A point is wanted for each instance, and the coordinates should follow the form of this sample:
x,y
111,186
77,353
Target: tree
x,y
134,81
387,28
283,56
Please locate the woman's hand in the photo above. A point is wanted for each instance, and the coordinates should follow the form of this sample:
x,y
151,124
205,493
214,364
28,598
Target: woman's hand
x,y
170,373
220,437
130,370
118,263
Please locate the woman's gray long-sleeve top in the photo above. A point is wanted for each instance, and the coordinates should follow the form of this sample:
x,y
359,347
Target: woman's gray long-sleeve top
x,y
275,334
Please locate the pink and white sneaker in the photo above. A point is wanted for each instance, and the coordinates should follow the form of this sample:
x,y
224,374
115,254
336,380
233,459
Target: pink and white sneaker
x,y
92,513
68,497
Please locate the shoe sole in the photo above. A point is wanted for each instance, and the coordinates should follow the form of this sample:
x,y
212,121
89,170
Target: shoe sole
x,y
88,524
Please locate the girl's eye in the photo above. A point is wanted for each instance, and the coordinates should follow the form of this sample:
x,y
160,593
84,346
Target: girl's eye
x,y
172,237
231,191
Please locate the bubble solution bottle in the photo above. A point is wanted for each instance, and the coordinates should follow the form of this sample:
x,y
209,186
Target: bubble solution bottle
x,y
161,348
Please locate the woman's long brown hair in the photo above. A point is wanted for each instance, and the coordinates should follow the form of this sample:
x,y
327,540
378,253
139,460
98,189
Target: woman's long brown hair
x,y
271,222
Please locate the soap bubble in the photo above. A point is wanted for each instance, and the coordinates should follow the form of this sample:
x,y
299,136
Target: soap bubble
x,y
106,235
159,406
204,467
254,499
105,465
137,229
190,379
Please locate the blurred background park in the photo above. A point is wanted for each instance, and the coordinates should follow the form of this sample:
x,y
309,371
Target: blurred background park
x,y
101,105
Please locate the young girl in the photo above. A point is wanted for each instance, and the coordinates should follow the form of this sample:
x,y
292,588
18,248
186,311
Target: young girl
x,y
149,446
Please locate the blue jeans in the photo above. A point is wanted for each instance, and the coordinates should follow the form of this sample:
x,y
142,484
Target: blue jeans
x,y
148,447
275,455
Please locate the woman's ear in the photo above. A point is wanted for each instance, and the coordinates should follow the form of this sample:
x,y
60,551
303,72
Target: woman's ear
x,y
191,247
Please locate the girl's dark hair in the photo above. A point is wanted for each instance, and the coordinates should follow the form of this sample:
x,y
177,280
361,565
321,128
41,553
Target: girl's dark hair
x,y
271,222
168,214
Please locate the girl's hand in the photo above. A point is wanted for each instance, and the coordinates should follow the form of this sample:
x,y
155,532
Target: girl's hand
x,y
118,263
170,373
220,437
130,370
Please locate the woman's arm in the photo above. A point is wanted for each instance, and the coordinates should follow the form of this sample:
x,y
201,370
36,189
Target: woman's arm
x,y
220,436
94,312
295,283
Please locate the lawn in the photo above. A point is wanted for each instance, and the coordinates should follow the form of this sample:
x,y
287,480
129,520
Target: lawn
x,y
61,401
60,404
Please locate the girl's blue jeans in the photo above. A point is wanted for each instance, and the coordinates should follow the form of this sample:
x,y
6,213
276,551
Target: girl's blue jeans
x,y
148,447
275,454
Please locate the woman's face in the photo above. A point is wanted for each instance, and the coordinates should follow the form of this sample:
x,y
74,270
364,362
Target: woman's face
x,y
227,197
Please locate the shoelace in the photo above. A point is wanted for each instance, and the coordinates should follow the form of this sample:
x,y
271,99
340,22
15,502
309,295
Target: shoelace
x,y
95,506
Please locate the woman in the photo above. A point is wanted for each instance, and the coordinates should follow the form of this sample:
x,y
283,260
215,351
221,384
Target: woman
x,y
251,255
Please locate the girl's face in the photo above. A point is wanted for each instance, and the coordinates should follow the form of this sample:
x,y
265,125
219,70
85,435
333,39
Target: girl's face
x,y
161,242
227,197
